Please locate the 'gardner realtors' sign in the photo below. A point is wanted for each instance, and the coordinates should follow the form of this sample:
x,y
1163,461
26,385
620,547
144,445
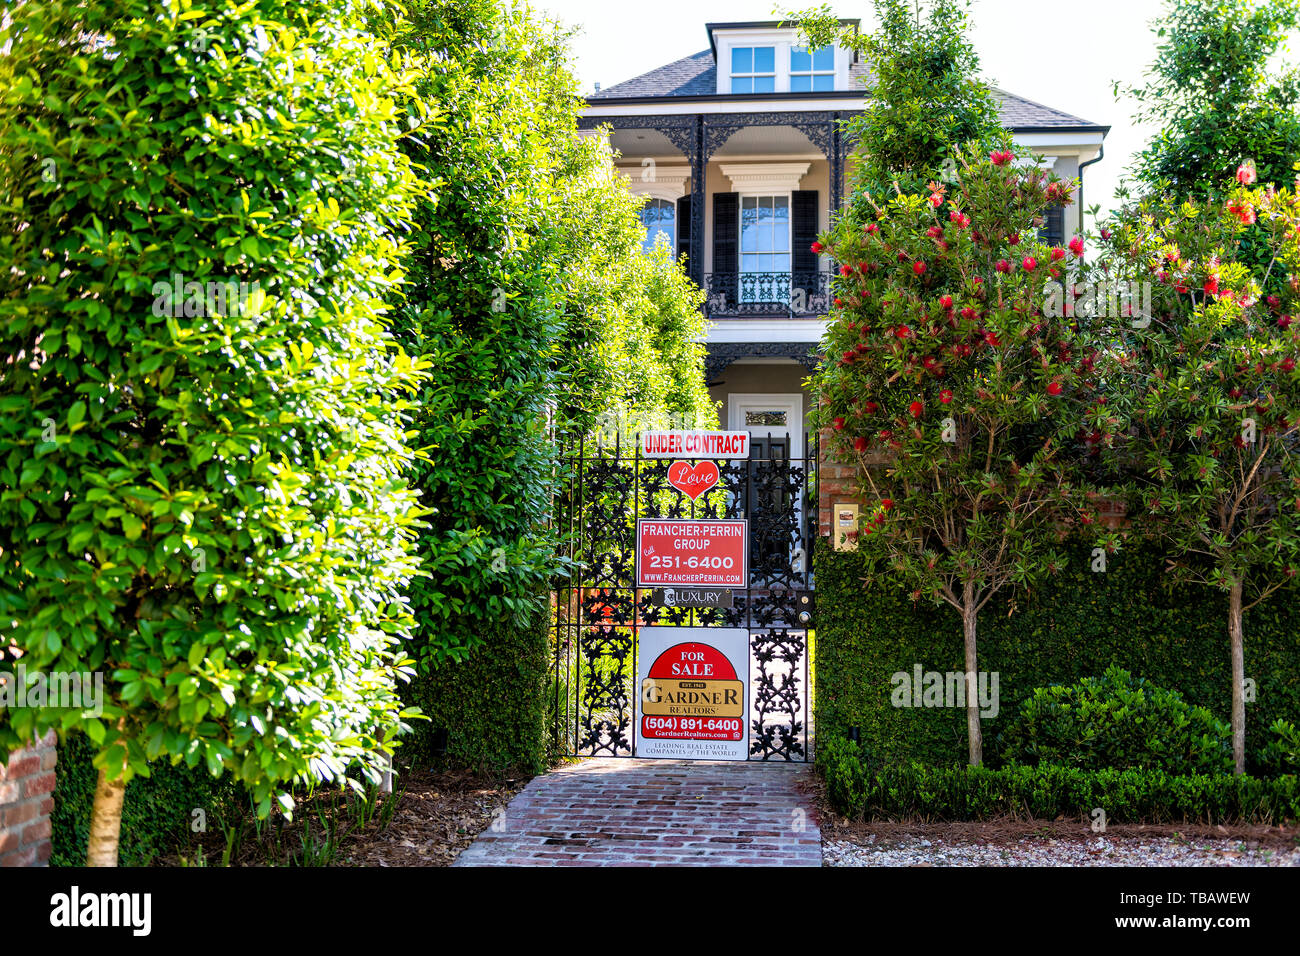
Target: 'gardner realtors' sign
x,y
672,553
684,444
694,693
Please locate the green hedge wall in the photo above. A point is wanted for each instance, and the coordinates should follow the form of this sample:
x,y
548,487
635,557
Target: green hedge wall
x,y
1077,626
156,815
492,705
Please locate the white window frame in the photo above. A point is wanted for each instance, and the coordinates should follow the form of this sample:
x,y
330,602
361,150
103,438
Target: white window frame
x,y
782,39
776,69
812,71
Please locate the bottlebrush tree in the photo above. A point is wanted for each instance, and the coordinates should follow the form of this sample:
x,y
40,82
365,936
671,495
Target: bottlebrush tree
x,y
1214,395
962,405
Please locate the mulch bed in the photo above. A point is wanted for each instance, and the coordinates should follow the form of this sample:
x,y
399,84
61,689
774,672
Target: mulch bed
x,y
437,815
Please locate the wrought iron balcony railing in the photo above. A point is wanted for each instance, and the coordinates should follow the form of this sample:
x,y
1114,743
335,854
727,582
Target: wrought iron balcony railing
x,y
767,293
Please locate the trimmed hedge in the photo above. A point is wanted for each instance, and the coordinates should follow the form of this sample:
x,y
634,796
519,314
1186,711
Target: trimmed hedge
x,y
492,705
858,788
156,816
1083,622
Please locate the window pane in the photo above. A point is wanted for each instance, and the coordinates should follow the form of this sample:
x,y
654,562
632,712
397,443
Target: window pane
x,y
824,59
764,84
825,81
742,59
749,241
764,418
742,84
801,84
764,59
800,60
781,263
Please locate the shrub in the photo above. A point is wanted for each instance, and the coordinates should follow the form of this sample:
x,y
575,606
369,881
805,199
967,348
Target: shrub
x,y
1282,754
859,790
203,492
1117,721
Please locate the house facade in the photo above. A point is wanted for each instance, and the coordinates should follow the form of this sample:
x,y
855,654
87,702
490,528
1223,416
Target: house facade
x,y
739,151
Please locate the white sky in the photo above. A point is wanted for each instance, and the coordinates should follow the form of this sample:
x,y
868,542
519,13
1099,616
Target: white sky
x,y
1065,55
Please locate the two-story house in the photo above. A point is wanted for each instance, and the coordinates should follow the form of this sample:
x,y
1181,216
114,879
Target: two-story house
x,y
739,150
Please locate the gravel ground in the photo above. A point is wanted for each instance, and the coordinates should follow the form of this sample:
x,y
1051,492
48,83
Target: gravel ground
x,y
1034,851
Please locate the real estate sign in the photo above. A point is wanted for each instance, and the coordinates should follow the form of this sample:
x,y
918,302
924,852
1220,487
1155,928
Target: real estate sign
x,y
694,444
680,553
694,693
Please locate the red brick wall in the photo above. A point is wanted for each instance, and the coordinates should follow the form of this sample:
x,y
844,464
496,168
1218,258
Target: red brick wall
x,y
26,799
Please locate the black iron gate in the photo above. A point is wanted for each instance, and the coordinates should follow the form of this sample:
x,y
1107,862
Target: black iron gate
x,y
599,610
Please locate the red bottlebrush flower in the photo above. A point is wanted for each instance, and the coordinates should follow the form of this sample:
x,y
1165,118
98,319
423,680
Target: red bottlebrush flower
x,y
859,444
918,268
1246,173
929,361
1076,246
1001,157
817,247
1273,301
1029,263
1211,285
916,409
968,313
1003,266
1058,254
941,245
1235,393
870,408
1244,211
945,301
862,267
936,200
903,331
992,339
1284,322
1288,364
887,504
902,256
1054,388
886,434
846,270
945,396
1162,276
838,303
1013,239
1181,286
934,232
848,356
838,424
871,229
1106,233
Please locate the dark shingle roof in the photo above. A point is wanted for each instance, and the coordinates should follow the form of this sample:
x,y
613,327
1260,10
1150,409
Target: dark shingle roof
x,y
696,75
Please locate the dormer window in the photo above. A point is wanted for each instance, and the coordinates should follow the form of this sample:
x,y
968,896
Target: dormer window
x,y
753,69
812,70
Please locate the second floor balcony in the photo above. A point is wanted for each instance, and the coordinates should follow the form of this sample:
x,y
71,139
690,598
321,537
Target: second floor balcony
x,y
777,294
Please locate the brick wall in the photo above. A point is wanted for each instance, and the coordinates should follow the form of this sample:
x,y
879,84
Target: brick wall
x,y
26,799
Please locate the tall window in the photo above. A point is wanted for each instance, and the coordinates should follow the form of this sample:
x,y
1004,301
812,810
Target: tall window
x,y
764,248
753,69
813,70
659,217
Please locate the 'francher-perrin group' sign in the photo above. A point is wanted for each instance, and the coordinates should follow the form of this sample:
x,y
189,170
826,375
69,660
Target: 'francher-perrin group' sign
x,y
684,444
679,553
694,694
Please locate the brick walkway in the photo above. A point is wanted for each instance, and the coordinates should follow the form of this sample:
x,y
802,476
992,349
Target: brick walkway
x,y
625,812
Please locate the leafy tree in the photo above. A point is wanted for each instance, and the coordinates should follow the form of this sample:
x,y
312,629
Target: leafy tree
x,y
925,97
1216,104
955,394
531,300
1211,390
201,445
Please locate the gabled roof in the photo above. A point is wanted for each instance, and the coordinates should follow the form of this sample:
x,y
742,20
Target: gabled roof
x,y
696,76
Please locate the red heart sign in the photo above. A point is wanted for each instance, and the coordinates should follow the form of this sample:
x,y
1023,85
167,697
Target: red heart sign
x,y
693,481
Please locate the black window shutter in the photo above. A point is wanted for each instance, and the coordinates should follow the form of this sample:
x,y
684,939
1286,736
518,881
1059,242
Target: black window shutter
x,y
1053,231
803,229
726,233
684,228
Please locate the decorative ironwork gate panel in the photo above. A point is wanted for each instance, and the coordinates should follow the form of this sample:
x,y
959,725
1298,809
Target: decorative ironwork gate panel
x,y
599,610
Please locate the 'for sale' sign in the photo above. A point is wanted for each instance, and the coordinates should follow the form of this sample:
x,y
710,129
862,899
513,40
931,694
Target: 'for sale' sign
x,y
694,693
692,553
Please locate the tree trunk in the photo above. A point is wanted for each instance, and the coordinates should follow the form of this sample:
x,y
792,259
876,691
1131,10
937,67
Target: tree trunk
x,y
106,821
973,733
1235,636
